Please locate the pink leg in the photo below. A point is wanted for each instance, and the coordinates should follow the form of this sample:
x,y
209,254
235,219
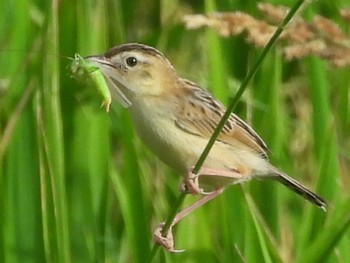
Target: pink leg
x,y
191,181
167,241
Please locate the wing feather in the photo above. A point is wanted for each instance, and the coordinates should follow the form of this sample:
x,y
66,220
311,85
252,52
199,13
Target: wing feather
x,y
200,114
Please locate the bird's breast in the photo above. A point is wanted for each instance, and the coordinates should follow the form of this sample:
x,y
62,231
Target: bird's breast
x,y
156,127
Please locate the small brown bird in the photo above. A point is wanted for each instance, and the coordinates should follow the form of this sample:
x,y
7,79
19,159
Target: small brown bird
x,y
175,118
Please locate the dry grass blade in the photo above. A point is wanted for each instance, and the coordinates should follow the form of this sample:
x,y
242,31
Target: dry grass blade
x,y
345,14
322,37
6,136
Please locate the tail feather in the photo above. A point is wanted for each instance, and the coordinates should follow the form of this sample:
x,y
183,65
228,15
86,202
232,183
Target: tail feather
x,y
300,189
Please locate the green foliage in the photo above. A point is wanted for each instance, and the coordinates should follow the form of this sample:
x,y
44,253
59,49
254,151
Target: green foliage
x,y
76,184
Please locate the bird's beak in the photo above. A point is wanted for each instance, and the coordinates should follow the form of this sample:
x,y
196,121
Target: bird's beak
x,y
112,78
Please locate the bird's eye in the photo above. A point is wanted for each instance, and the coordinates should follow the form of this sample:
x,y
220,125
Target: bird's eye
x,y
131,61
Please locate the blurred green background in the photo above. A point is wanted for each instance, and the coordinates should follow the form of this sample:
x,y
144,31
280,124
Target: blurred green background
x,y
76,184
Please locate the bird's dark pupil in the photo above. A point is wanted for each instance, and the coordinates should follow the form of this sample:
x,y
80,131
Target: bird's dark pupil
x,y
131,61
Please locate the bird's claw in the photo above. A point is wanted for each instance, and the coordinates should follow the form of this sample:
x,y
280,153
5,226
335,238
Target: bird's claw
x,y
166,241
190,184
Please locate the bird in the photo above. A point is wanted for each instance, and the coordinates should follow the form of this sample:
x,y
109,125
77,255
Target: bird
x,y
175,117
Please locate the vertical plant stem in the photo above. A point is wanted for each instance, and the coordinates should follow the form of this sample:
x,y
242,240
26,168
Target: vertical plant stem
x,y
217,70
53,137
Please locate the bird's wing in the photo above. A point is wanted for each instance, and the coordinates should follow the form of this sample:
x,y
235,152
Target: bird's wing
x,y
200,113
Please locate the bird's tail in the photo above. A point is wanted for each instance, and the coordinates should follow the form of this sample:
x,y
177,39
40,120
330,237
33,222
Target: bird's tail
x,y
298,188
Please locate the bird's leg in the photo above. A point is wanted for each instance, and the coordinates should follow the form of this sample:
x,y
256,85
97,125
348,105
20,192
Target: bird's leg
x,y
167,240
190,183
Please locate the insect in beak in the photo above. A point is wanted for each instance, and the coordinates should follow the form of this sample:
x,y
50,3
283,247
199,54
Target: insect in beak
x,y
100,72
113,85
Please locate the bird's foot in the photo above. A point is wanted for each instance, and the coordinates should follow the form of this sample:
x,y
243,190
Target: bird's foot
x,y
166,241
